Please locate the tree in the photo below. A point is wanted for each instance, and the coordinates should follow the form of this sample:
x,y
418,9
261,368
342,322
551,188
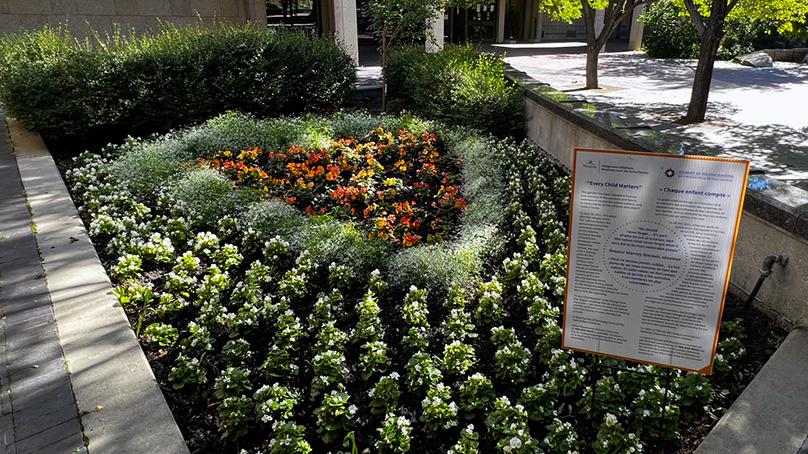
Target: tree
x,y
709,17
395,21
615,11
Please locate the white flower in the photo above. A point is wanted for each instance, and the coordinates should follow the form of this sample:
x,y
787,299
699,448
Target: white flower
x,y
610,419
515,443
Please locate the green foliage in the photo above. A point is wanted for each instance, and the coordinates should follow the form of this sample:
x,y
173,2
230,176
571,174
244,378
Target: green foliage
x,y
275,218
457,85
290,438
668,33
468,443
343,244
275,403
402,20
335,416
275,341
394,435
205,196
60,87
612,438
438,411
144,168
160,334
437,267
785,15
396,21
753,24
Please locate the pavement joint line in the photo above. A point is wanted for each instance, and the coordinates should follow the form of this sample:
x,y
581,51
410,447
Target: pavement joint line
x,y
47,428
106,366
22,293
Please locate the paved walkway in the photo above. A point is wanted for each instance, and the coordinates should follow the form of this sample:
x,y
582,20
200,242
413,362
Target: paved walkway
x,y
771,415
38,411
754,113
120,404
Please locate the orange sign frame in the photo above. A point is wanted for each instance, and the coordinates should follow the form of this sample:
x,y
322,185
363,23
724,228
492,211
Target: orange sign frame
x,y
707,370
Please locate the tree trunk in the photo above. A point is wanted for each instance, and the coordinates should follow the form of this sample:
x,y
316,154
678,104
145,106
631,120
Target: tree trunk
x,y
697,109
384,69
592,54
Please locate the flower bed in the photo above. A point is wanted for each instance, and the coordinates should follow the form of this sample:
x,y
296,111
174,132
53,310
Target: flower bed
x,y
276,331
402,187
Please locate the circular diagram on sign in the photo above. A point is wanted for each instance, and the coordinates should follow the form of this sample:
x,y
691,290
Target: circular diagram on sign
x,y
645,256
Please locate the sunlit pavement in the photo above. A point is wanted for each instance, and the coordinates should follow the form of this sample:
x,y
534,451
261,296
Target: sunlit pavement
x,y
755,113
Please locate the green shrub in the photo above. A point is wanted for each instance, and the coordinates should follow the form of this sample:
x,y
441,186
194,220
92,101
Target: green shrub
x,y
144,167
483,175
457,85
206,196
276,218
342,243
744,35
61,87
668,33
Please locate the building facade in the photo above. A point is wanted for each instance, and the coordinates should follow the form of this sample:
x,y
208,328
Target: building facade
x,y
492,21
103,16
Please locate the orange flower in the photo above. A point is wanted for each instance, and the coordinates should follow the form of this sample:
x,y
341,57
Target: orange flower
x,y
333,172
341,179
410,239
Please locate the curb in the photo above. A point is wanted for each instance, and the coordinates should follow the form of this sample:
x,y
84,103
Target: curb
x,y
121,406
771,414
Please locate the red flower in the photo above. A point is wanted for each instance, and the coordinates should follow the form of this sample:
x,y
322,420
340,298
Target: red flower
x,y
410,239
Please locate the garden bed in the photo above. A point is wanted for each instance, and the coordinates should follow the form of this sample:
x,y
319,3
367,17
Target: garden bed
x,y
375,283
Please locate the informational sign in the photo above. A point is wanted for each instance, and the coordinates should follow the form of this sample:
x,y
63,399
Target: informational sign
x,y
651,241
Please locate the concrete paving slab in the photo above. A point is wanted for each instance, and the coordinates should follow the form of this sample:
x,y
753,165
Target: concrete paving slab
x,y
54,439
7,445
771,415
108,369
37,402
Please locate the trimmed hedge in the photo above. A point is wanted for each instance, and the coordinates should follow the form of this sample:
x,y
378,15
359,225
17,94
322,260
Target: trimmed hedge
x,y
459,86
119,85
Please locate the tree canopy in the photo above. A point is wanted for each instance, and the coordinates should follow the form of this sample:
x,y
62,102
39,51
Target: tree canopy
x,y
785,14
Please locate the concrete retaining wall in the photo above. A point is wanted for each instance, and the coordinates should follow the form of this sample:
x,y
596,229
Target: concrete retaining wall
x,y
791,55
140,15
775,219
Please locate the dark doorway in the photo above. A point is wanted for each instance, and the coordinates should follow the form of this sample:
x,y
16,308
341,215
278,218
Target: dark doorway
x,y
297,14
477,24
